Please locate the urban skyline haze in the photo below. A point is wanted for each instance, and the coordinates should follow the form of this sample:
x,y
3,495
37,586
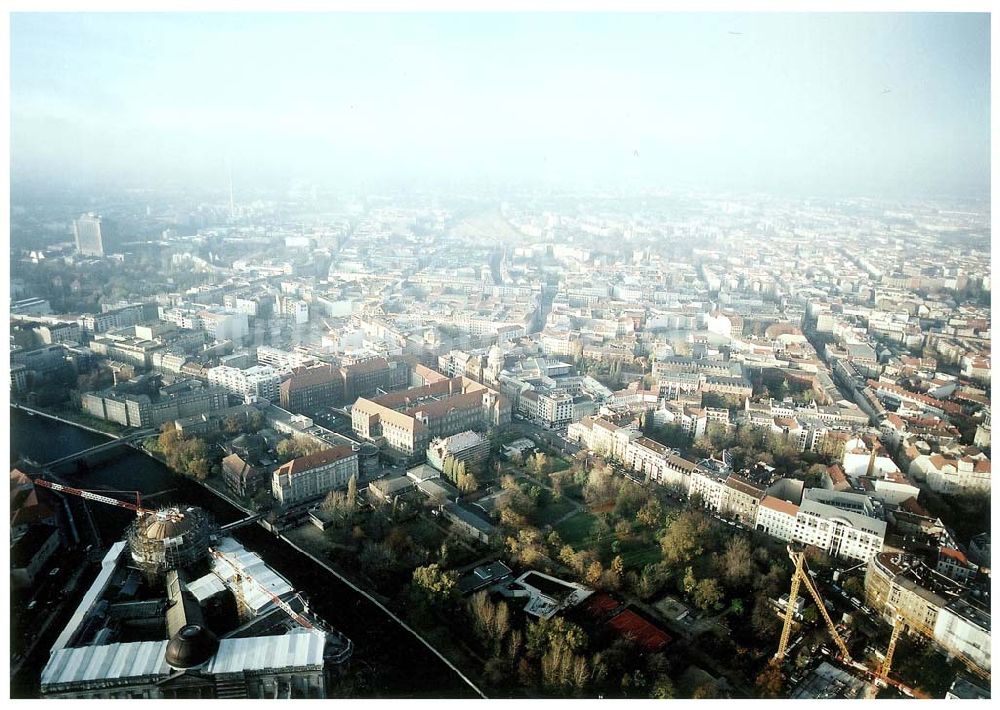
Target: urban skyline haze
x,y
851,103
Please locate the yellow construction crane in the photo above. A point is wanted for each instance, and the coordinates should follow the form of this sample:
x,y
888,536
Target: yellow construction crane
x,y
897,629
800,576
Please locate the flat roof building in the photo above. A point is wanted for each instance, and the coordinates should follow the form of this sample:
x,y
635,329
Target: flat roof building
x,y
128,639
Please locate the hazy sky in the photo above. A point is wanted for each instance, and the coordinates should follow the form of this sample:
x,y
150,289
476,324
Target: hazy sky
x,y
797,101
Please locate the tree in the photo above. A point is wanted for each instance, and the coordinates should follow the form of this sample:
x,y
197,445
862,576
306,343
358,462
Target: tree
x,y
854,587
255,421
618,568
769,682
708,689
763,617
737,562
556,631
601,485
540,463
651,513
296,447
352,491
650,581
199,468
460,472
685,537
580,673
629,501
467,483
168,438
690,583
707,594
567,555
663,688
337,504
437,586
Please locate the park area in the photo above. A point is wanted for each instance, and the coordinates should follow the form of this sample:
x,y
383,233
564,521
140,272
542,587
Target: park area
x,y
585,531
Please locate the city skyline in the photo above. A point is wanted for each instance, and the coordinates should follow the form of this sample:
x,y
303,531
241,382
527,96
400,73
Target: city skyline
x,y
844,103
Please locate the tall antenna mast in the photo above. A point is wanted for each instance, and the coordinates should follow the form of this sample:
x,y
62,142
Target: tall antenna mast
x,y
232,204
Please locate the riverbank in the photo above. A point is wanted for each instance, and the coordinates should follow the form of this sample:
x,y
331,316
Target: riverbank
x,y
385,609
71,420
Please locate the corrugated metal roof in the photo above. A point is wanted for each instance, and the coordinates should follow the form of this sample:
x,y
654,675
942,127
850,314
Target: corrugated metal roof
x,y
205,587
119,660
108,566
254,566
296,649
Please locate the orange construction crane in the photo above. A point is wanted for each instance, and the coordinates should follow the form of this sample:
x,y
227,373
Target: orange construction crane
x,y
241,574
91,495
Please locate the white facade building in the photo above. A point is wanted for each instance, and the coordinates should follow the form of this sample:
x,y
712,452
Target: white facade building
x,y
964,631
261,381
845,525
777,518
946,474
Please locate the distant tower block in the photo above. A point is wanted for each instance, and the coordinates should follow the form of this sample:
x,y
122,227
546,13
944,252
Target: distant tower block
x,y
232,203
91,234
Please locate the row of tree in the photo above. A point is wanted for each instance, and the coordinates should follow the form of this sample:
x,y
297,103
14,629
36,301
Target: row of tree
x,y
458,473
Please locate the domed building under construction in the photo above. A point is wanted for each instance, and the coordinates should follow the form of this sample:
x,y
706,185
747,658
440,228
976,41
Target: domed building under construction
x,y
174,538
181,610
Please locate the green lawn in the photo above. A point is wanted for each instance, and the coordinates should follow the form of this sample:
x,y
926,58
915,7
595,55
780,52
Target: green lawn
x,y
553,511
575,530
558,463
636,552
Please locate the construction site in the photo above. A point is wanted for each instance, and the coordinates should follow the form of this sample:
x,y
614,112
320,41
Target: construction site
x,y
180,610
842,675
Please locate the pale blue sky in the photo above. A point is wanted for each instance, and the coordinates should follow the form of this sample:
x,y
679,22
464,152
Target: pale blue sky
x,y
795,102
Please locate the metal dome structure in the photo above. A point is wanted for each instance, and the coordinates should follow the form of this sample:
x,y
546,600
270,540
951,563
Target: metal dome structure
x,y
191,647
171,539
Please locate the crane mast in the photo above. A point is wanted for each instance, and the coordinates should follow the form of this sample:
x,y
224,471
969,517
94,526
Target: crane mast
x,y
241,574
801,576
897,629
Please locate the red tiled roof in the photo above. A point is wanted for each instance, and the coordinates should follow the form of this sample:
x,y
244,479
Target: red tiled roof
x,y
782,506
744,486
372,365
320,458
309,377
954,555
428,374
910,505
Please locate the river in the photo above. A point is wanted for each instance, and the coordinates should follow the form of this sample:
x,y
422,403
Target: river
x,y
388,662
